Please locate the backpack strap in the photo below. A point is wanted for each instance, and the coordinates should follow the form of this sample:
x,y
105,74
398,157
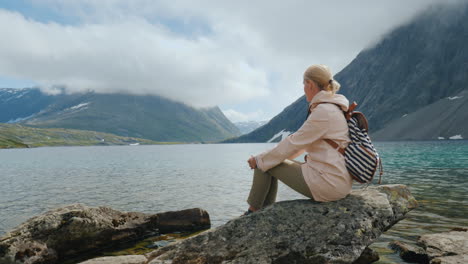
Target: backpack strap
x,y
351,108
381,170
348,115
335,145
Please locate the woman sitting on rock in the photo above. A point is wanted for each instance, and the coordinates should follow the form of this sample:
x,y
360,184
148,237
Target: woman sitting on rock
x,y
323,177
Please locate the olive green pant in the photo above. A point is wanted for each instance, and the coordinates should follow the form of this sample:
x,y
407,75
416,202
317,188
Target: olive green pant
x,y
265,184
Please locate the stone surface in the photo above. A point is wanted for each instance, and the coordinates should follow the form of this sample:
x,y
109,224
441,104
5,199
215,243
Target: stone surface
x,y
299,231
458,259
129,259
367,256
441,248
72,230
410,253
450,247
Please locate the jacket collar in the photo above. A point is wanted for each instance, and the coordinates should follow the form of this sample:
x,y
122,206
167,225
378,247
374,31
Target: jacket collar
x,y
329,97
319,98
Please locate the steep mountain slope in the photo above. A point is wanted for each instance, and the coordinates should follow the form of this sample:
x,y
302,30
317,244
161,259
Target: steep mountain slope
x,y
150,117
413,66
444,119
16,104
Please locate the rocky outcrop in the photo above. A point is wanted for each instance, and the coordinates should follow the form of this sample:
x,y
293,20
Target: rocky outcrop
x,y
299,231
410,253
441,248
367,256
66,232
451,247
130,259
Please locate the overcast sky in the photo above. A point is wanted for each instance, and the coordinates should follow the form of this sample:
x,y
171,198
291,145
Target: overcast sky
x,y
247,57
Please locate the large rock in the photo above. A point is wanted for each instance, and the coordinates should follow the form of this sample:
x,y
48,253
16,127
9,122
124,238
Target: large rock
x,y
129,259
367,256
441,248
66,232
446,248
299,231
410,253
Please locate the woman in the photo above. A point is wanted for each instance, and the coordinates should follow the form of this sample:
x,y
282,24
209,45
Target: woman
x,y
323,177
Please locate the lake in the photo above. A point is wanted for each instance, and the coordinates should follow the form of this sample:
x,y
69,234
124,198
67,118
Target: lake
x,y
216,177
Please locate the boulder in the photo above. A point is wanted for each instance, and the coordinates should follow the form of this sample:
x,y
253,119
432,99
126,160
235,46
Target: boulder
x,y
367,256
410,253
441,248
446,248
67,232
129,259
298,231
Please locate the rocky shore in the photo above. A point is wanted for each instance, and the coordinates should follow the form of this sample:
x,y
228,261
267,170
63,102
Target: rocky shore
x,y
441,248
68,232
298,231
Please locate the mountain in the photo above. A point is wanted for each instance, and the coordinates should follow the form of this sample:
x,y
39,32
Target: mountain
x,y
249,126
18,104
290,119
151,117
444,119
17,136
413,66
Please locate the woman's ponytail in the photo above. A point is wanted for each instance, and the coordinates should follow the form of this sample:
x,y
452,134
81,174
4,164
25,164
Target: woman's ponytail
x,y
333,86
322,76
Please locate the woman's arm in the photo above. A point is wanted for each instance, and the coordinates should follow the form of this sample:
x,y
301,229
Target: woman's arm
x,y
313,129
297,154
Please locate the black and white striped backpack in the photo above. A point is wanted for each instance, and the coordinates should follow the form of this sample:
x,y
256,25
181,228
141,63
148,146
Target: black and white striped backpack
x,y
361,157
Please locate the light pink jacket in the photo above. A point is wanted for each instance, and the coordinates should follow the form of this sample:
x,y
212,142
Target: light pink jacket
x,y
324,172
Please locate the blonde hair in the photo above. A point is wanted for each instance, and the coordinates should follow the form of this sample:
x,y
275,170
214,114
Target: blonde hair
x,y
321,75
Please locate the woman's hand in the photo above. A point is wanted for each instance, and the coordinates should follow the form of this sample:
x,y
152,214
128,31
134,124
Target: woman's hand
x,y
252,162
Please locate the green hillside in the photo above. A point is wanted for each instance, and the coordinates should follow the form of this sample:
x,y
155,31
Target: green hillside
x,y
17,136
150,117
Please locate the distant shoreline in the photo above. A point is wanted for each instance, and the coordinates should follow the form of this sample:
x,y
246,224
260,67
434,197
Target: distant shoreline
x,y
14,136
17,136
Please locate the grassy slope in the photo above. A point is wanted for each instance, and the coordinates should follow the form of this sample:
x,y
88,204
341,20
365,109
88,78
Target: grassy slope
x,y
150,117
17,136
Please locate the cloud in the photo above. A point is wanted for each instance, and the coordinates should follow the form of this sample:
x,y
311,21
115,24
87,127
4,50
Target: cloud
x,y
202,52
236,116
127,56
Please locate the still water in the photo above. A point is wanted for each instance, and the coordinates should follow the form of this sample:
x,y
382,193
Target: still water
x,y
216,177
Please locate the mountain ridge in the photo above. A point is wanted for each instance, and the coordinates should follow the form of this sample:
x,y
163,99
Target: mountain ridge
x,y
246,127
408,69
143,116
429,122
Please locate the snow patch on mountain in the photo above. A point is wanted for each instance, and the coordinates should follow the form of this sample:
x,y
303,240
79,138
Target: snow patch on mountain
x,y
79,106
454,97
282,133
456,137
8,94
249,126
13,91
19,119
19,96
